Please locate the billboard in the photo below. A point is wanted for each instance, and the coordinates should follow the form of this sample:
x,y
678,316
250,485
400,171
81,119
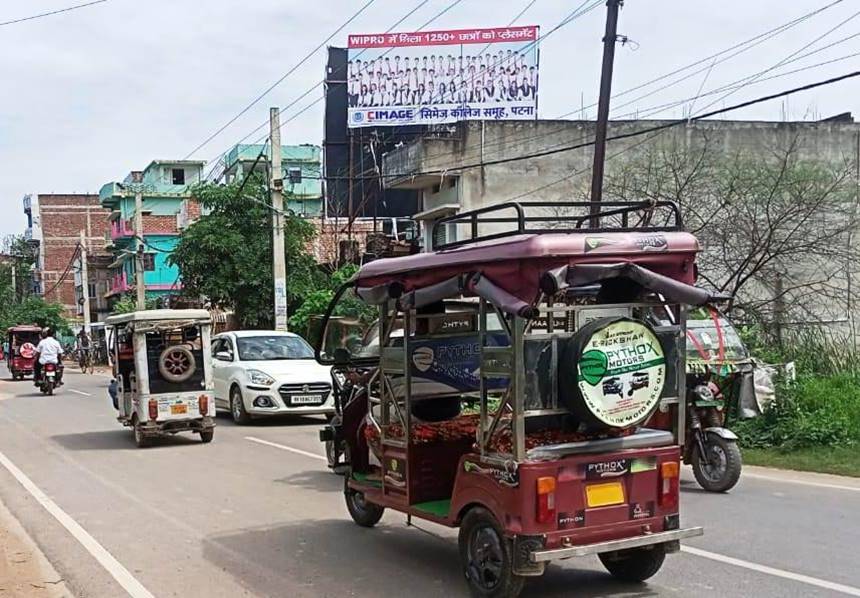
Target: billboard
x,y
433,77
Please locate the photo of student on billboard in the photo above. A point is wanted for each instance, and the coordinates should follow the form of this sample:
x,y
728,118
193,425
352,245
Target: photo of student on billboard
x,y
444,76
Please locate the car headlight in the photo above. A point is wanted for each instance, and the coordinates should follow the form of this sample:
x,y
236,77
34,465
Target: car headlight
x,y
259,378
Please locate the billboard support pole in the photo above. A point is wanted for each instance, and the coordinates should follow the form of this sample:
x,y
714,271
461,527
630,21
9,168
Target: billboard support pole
x,y
609,40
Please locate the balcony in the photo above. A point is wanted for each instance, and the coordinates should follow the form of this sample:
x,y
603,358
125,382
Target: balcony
x,y
121,229
118,285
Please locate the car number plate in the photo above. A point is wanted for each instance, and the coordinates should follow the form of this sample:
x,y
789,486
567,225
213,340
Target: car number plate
x,y
306,399
603,495
178,409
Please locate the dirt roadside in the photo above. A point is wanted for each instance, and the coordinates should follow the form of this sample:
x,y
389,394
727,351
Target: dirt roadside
x,y
24,570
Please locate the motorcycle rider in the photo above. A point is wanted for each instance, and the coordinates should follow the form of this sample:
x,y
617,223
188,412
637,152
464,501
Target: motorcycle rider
x,y
49,350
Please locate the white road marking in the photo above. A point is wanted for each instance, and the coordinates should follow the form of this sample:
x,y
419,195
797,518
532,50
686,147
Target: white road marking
x,y
286,448
79,392
812,581
125,579
787,480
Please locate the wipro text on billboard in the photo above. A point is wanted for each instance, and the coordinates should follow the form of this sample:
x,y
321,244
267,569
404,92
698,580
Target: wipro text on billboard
x,y
433,77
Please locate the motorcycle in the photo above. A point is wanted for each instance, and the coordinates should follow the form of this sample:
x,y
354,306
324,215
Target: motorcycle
x,y
50,377
711,449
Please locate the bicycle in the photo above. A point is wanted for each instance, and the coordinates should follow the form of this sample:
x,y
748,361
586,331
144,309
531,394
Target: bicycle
x,y
85,361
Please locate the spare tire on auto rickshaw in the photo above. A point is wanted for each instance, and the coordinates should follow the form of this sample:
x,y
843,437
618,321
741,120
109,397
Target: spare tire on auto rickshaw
x,y
611,373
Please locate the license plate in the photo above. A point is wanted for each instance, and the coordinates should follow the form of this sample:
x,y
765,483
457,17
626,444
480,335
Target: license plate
x,y
305,399
602,495
50,374
178,409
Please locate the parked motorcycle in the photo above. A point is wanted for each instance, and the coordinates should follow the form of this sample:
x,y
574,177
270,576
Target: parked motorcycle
x,y
711,448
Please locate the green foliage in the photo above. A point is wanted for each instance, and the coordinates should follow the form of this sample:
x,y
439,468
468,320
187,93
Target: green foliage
x,y
226,255
128,303
34,310
317,301
814,411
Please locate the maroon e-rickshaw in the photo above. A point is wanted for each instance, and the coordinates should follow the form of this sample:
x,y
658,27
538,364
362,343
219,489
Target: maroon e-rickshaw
x,y
21,358
534,318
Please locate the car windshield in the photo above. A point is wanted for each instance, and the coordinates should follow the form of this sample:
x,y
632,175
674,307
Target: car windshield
x,y
272,348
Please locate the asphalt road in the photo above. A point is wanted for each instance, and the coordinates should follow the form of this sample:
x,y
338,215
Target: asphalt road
x,y
256,513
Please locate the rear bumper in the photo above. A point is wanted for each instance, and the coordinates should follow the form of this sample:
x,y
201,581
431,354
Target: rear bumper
x,y
541,556
171,426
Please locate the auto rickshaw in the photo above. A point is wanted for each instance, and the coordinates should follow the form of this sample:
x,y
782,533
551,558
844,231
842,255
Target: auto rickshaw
x,y
507,388
21,357
162,369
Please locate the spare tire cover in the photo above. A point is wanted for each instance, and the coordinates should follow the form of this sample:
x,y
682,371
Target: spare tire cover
x,y
612,373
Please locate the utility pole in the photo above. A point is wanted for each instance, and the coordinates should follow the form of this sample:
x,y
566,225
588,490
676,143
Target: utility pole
x,y
85,282
279,262
139,283
609,40
14,283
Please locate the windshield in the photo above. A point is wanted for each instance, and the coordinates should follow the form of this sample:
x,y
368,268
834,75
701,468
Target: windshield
x,y
712,337
273,348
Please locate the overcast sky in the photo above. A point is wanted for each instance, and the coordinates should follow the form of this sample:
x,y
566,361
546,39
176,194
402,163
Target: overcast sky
x,y
88,95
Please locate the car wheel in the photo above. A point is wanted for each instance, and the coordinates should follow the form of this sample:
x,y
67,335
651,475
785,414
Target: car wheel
x,y
207,435
237,407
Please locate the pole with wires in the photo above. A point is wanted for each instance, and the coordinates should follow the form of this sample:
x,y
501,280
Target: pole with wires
x,y
609,40
277,196
85,283
139,264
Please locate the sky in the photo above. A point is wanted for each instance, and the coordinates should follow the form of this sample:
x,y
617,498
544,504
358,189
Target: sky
x,y
88,95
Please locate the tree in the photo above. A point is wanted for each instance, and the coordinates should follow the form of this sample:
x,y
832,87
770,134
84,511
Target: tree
x,y
34,310
22,257
777,229
226,256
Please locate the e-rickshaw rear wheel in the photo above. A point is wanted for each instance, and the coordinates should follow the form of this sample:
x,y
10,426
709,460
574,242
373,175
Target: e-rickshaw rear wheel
x,y
635,564
363,512
206,436
487,557
140,439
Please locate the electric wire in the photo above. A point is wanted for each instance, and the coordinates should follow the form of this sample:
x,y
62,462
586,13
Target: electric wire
x,y
53,12
310,90
271,87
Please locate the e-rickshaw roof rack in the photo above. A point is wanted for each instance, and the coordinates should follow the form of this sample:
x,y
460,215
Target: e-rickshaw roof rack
x,y
523,218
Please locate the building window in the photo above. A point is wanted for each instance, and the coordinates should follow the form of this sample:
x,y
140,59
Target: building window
x,y
178,176
92,290
149,262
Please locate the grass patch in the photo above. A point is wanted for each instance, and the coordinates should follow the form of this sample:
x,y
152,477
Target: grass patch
x,y
839,460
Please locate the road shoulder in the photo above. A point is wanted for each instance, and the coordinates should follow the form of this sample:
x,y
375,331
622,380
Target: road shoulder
x,y
802,477
24,570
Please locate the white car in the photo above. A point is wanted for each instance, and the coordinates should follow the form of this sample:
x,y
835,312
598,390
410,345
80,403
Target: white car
x,y
262,372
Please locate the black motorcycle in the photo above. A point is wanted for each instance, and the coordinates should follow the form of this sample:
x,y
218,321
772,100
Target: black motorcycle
x,y
710,448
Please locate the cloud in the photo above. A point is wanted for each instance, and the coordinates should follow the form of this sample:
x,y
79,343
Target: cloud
x,y
89,95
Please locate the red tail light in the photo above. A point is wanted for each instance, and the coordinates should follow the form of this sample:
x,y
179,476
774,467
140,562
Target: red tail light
x,y
669,484
50,367
545,499
153,409
203,403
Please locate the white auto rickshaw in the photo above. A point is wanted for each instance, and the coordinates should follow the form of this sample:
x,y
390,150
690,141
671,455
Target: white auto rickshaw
x,y
162,370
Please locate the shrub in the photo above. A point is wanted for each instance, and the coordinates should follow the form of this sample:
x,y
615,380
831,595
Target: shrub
x,y
816,410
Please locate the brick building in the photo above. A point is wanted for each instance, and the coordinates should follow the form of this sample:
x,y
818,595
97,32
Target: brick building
x,y
54,225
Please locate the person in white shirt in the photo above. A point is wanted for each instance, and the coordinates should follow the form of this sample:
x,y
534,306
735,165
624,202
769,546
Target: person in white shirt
x,y
49,350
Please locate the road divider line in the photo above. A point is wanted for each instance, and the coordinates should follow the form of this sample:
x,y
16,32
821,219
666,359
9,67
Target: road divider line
x,y
806,579
285,448
787,480
123,577
80,392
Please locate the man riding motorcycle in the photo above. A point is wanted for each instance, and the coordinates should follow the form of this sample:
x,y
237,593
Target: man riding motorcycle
x,y
49,350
